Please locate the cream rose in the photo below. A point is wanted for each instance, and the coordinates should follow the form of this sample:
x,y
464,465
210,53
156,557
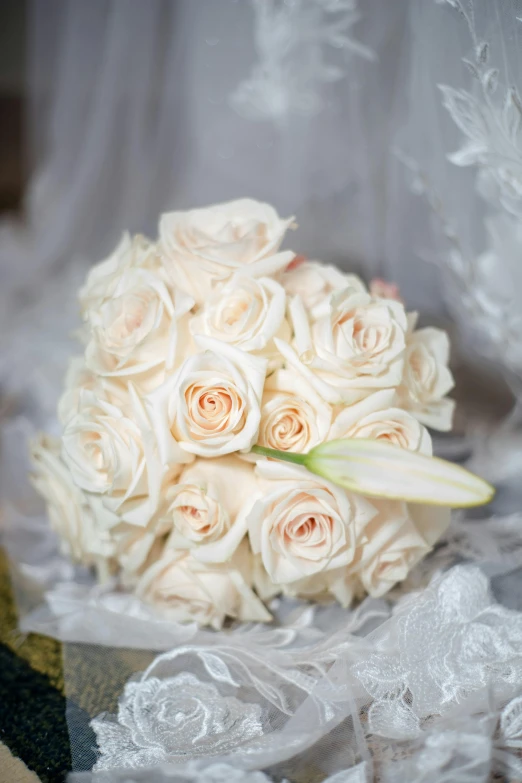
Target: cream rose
x,y
293,416
205,246
78,377
247,313
70,513
314,281
101,282
394,543
344,586
211,405
135,331
378,418
186,590
137,548
355,347
427,379
302,525
208,506
110,452
339,583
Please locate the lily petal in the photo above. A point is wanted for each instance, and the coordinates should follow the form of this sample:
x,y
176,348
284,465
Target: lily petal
x,y
370,467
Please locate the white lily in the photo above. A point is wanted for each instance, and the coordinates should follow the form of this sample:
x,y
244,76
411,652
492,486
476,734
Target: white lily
x,y
370,467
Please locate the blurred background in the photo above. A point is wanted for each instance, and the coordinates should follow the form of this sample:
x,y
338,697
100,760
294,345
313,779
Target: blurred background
x,y
113,111
12,93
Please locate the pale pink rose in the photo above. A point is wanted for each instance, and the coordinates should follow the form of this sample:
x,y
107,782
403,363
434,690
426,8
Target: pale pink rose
x,y
205,246
381,289
314,281
211,405
295,262
354,348
293,416
208,506
377,417
303,525
183,589
427,379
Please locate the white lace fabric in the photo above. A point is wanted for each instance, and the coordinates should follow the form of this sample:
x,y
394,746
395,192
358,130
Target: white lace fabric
x,y
160,720
423,696
292,42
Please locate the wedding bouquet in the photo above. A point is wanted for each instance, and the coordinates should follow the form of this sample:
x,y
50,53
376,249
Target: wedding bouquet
x,y
210,356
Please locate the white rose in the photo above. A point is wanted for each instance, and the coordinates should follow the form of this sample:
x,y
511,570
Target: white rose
x,y
184,589
209,505
111,452
427,379
376,417
211,405
70,514
394,543
204,246
247,313
314,281
135,331
304,525
103,277
355,347
293,416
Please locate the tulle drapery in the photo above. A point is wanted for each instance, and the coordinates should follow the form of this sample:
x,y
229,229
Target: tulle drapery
x,y
136,108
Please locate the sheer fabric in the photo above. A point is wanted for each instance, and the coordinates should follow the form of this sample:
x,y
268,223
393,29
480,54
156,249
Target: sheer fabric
x,y
334,113
461,141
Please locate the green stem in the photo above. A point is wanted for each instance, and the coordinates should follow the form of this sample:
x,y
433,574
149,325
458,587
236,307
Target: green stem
x,y
285,456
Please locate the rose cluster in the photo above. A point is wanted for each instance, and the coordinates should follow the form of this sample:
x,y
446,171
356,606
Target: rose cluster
x,y
199,346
